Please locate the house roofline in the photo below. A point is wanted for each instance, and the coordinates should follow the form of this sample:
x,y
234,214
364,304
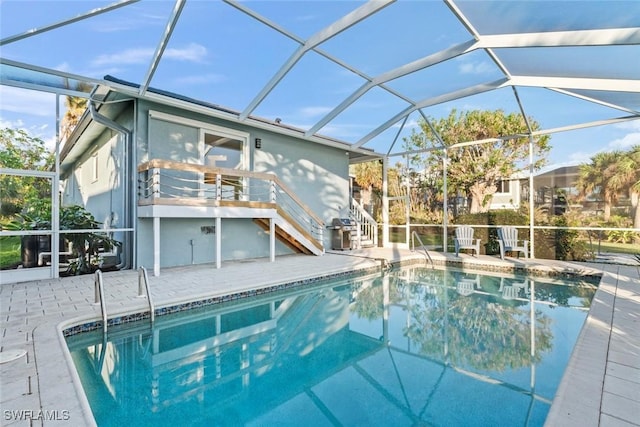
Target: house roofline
x,y
209,109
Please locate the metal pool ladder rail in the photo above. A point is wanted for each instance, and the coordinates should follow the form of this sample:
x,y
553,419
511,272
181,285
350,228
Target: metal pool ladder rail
x,y
143,287
99,299
414,236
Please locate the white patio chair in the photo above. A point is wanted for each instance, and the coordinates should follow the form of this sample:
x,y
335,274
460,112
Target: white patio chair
x,y
464,240
508,240
511,289
466,286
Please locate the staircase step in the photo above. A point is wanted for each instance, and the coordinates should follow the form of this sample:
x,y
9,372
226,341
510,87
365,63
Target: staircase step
x,y
284,237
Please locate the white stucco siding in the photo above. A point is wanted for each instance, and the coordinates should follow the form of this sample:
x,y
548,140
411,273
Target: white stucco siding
x,y
173,141
96,179
317,174
185,241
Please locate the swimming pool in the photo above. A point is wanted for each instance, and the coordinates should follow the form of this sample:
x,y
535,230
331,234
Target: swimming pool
x,y
411,346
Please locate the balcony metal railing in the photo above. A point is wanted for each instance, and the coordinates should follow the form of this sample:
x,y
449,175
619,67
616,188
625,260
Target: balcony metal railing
x,y
175,183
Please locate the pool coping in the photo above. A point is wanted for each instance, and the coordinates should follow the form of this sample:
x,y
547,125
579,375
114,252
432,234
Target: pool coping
x,y
53,382
72,327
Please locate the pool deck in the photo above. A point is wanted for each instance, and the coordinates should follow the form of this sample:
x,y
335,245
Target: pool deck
x,y
601,386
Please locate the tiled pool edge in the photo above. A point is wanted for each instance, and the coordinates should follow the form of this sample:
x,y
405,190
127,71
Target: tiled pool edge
x,y
603,386
586,368
50,398
96,323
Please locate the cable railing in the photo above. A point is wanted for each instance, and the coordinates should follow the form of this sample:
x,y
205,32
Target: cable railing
x,y
176,183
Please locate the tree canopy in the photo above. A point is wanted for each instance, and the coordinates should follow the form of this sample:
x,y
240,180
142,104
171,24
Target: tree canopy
x,y
19,150
610,174
475,169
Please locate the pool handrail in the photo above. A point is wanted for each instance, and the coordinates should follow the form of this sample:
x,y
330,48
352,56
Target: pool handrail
x,y
414,235
99,299
143,279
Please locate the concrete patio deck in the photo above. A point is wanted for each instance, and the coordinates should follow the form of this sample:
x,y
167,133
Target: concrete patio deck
x,y
601,386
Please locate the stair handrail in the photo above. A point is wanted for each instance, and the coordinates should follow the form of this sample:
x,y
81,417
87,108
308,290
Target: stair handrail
x,y
414,236
298,210
364,220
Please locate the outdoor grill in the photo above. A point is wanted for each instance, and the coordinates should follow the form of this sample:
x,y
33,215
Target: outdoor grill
x,y
342,233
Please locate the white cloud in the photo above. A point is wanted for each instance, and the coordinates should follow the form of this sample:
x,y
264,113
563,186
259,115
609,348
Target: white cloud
x,y
408,125
192,53
481,67
580,157
630,125
627,141
129,56
64,67
29,102
16,124
623,143
42,131
310,112
303,18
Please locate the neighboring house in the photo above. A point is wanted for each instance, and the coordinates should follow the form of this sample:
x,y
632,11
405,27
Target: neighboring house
x,y
197,185
551,189
507,196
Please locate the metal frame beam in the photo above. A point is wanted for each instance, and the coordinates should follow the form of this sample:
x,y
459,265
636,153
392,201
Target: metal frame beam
x,y
473,90
171,24
59,24
323,35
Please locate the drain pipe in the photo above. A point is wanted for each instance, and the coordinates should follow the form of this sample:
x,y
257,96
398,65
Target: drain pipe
x,y
126,134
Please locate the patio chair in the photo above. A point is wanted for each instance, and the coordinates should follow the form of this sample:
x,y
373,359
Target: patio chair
x,y
508,240
467,285
511,289
464,240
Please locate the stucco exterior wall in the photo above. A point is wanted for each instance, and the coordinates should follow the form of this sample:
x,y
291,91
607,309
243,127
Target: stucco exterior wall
x,y
97,180
317,174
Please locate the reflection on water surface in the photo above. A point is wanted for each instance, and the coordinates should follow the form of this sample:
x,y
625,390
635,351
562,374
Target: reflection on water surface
x,y
414,346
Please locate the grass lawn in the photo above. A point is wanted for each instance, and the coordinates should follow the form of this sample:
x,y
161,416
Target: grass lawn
x,y
620,248
9,251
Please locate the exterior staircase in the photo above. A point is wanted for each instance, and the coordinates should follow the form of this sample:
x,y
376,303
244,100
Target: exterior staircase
x,y
292,234
367,227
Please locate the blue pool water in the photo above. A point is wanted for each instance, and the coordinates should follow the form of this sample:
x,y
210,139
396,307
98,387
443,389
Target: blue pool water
x,y
411,347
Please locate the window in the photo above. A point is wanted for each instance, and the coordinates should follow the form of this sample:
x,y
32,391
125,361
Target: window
x,y
503,186
222,152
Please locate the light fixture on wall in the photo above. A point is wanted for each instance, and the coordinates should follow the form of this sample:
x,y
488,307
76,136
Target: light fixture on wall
x,y
258,143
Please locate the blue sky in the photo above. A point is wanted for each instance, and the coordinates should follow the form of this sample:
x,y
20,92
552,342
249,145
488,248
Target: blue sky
x,y
221,55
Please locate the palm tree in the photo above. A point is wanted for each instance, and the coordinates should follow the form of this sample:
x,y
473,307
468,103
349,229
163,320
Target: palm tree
x,y
75,107
600,177
369,176
628,176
